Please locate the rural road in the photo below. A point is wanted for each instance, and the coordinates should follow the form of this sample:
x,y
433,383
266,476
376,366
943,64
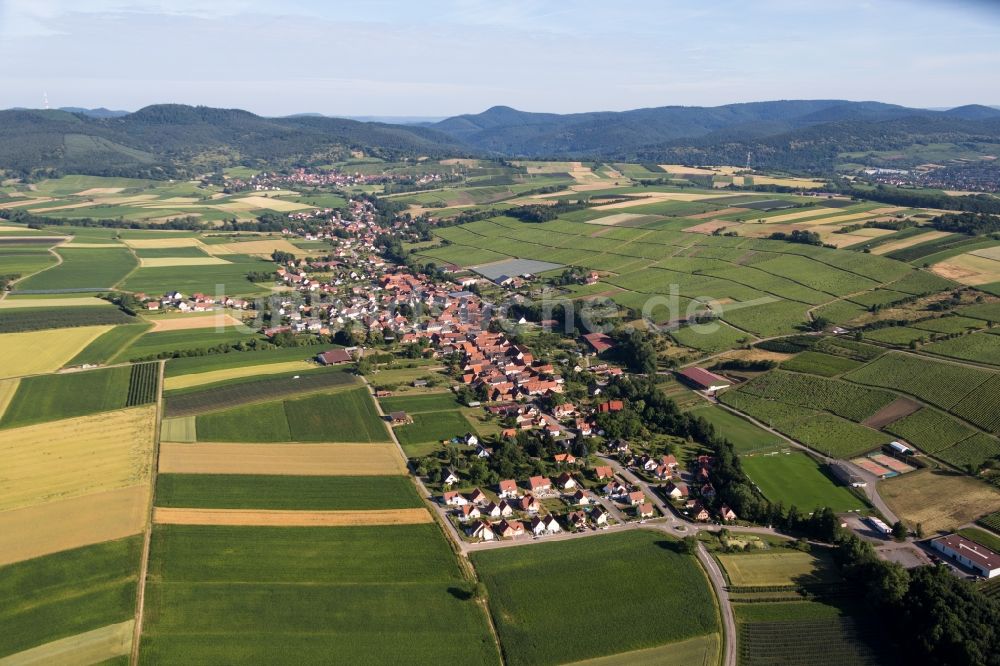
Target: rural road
x,y
725,607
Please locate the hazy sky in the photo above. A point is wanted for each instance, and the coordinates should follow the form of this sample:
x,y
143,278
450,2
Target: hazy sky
x,y
443,57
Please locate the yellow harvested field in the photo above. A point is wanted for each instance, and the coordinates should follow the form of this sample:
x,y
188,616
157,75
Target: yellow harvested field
x,y
155,243
805,183
73,457
35,352
100,190
657,197
939,500
26,202
281,518
709,227
969,269
12,303
263,247
842,240
194,322
271,203
285,459
179,429
8,387
464,161
988,253
200,378
92,647
768,568
92,246
159,262
619,218
79,204
873,233
801,214
681,169
909,242
698,650
837,219
79,521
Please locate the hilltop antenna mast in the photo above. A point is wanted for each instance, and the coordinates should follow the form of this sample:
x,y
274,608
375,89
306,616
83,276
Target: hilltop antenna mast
x,y
748,160
45,100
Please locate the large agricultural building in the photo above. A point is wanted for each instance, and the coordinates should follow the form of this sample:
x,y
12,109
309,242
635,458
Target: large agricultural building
x,y
969,553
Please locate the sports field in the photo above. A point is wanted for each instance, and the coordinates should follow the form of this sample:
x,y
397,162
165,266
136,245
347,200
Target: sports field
x,y
795,479
74,457
250,594
530,588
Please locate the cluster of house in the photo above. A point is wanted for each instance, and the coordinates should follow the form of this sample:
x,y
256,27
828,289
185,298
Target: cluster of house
x,y
265,181
196,302
501,370
516,513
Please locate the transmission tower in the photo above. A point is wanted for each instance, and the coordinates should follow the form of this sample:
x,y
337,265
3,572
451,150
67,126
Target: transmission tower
x,y
45,100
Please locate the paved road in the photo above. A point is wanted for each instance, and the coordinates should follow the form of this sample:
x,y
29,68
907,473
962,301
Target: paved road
x,y
725,607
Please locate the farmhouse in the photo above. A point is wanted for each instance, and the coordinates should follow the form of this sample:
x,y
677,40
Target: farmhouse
x,y
334,357
399,418
599,342
703,379
969,553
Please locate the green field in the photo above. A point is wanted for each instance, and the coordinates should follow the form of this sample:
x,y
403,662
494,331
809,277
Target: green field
x,y
414,404
345,416
229,279
163,343
24,261
299,595
317,493
744,435
244,390
979,348
430,427
841,398
193,364
796,479
34,319
982,537
83,270
531,588
51,397
107,345
67,593
930,430
818,363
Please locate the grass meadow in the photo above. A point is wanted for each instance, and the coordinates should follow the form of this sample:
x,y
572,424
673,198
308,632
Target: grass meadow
x,y
300,595
659,595
345,416
744,435
315,493
106,346
52,397
83,270
67,593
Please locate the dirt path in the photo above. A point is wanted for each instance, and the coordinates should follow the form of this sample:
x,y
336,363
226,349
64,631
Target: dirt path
x,y
148,534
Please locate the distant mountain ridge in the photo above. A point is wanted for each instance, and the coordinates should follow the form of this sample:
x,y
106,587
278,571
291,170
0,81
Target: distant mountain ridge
x,y
167,140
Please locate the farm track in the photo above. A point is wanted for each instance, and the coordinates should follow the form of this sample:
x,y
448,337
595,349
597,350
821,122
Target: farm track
x,y
148,533
452,536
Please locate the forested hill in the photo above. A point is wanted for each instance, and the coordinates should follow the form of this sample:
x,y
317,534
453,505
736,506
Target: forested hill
x,y
172,139
789,134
